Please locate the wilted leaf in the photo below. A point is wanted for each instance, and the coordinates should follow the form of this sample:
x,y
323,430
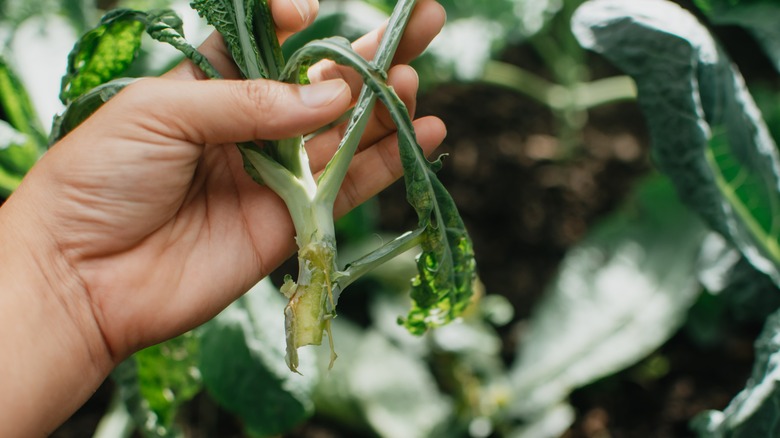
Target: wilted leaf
x,y
103,53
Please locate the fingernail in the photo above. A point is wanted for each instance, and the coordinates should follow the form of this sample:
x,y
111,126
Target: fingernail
x,y
323,93
303,8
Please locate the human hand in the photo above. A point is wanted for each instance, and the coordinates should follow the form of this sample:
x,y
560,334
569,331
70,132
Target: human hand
x,y
143,223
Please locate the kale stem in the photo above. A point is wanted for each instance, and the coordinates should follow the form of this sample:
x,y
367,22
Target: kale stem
x,y
331,179
367,263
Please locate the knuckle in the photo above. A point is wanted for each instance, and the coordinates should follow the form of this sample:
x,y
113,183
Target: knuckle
x,y
350,191
257,98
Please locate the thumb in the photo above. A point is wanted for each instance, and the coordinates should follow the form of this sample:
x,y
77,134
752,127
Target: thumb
x,y
223,111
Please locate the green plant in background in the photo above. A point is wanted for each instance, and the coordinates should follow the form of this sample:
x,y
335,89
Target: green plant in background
x,y
710,138
619,294
569,93
22,138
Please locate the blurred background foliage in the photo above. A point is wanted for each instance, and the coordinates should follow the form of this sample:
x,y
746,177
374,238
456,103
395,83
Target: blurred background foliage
x,y
607,307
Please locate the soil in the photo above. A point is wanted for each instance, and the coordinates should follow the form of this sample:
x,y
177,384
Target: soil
x,y
526,198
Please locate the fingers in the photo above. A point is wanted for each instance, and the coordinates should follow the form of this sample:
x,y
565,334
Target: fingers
x,y
405,81
426,22
224,111
292,16
378,166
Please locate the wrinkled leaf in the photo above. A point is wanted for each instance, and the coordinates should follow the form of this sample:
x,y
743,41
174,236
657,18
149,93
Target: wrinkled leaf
x,y
106,52
243,366
96,61
103,53
753,412
748,294
619,295
166,26
707,133
244,24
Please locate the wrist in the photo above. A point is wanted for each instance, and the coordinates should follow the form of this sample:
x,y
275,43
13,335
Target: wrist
x,y
57,353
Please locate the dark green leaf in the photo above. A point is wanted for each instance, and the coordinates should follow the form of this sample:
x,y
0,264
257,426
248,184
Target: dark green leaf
x,y
243,366
243,24
707,133
753,412
164,25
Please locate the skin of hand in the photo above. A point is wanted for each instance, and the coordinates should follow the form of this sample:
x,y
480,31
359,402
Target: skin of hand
x,y
141,224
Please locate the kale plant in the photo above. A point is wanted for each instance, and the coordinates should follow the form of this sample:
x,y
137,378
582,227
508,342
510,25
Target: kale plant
x,y
446,267
712,140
